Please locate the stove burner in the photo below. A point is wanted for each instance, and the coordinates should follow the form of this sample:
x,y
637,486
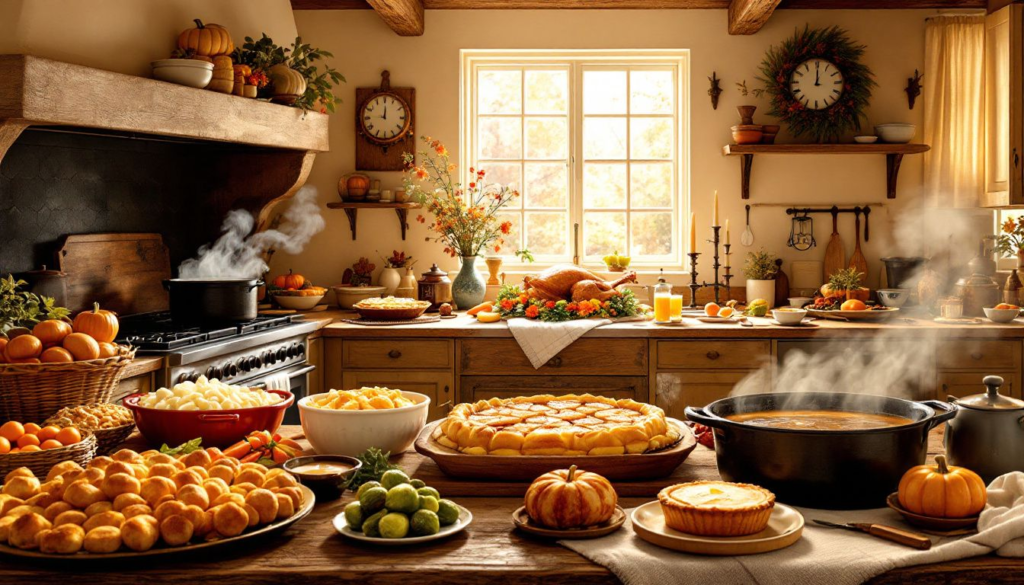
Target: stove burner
x,y
155,331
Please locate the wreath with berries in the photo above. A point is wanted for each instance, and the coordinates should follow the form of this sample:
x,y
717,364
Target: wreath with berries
x,y
831,44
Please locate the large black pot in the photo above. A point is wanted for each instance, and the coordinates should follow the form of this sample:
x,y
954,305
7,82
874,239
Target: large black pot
x,y
837,470
212,302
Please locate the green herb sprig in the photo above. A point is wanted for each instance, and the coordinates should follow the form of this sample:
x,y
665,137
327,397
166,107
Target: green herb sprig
x,y
375,464
184,448
20,308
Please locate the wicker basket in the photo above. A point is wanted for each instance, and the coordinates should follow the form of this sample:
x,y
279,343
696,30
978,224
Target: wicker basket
x,y
40,462
109,440
33,392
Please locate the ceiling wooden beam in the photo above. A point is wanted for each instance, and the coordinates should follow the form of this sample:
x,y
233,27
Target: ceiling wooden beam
x,y
746,17
405,17
646,4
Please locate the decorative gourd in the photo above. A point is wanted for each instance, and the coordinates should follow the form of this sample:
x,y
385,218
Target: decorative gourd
x,y
288,84
357,185
98,323
51,331
942,491
290,281
569,498
206,39
82,346
23,347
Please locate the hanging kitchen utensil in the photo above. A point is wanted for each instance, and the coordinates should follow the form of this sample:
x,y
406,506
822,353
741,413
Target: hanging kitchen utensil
x,y
897,535
747,239
858,261
781,284
801,233
835,252
867,224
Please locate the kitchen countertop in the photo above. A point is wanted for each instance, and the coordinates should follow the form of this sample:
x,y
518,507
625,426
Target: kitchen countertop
x,y
143,365
489,551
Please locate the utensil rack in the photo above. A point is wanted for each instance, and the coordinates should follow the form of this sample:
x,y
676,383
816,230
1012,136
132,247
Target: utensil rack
x,y
865,209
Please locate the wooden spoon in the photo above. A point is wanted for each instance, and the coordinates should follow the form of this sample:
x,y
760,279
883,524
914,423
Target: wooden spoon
x,y
835,252
858,261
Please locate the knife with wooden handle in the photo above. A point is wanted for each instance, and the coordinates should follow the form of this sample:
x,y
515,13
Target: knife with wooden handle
x,y
897,535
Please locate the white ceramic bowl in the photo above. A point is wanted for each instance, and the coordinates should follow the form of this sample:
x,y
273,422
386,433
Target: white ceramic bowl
x,y
893,297
190,72
1001,315
896,133
865,139
298,303
789,316
348,296
350,432
799,302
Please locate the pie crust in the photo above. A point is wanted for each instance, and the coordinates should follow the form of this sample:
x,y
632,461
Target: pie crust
x,y
716,508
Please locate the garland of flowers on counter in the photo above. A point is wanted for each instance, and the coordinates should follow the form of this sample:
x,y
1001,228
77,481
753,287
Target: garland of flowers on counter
x,y
513,302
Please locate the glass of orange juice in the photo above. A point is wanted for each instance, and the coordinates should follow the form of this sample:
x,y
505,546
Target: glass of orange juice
x,y
662,308
676,308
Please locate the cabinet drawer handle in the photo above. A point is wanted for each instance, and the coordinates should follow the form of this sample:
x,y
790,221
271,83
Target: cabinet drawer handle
x,y
555,362
976,355
713,355
394,354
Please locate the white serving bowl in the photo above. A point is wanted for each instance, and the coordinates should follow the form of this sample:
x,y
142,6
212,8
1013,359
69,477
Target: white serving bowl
x,y
893,297
348,296
298,303
896,133
865,139
789,316
1001,315
799,302
190,72
350,432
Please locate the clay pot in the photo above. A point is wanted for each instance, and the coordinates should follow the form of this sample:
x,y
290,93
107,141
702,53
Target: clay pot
x,y
746,114
769,131
747,134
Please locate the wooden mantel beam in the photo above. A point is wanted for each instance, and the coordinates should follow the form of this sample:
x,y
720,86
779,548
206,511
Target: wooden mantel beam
x,y
644,4
746,17
405,17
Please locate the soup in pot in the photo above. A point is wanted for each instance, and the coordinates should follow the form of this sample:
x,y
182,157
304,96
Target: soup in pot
x,y
819,420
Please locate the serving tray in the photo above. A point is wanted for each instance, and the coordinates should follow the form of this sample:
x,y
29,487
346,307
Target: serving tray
x,y
866,315
652,465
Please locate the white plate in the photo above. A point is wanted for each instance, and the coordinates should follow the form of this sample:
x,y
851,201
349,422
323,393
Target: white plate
x,y
465,517
784,528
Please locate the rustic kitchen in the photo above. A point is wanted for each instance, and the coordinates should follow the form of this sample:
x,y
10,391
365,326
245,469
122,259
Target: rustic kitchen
x,y
529,291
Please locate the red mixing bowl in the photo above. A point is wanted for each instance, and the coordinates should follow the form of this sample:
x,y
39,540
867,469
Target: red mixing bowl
x,y
218,428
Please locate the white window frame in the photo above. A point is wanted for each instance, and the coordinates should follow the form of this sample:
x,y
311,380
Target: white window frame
x,y
577,61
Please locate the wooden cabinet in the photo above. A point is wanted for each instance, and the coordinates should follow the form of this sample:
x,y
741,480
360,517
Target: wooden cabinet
x,y
713,355
962,384
962,364
585,357
695,373
439,386
1004,107
473,388
677,390
397,353
133,385
315,357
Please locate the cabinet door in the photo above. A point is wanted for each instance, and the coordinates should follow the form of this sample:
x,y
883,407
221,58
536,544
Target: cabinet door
x,y
134,385
674,391
315,357
1004,111
439,386
962,384
473,388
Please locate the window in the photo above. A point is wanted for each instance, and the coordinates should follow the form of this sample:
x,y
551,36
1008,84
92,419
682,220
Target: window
x,y
594,141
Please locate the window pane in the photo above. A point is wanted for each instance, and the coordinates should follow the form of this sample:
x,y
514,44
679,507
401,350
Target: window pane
x,y
651,233
650,92
546,233
499,92
604,138
514,240
604,186
603,233
604,92
650,184
503,174
546,185
500,137
650,138
546,138
547,92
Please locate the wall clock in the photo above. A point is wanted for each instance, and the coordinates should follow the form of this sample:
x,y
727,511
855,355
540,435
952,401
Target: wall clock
x,y
816,83
384,125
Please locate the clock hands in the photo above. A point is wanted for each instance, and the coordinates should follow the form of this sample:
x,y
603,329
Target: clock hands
x,y
385,116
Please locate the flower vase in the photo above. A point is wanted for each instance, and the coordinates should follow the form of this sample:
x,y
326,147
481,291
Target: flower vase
x,y
468,288
493,268
761,289
390,279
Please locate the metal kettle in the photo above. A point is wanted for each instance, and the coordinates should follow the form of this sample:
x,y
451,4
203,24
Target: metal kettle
x,y
987,434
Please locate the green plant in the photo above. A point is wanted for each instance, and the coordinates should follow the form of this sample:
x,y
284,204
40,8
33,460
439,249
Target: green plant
x,y
524,256
760,265
24,309
375,465
263,54
742,88
845,279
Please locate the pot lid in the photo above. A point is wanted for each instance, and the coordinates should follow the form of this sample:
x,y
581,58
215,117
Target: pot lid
x,y
435,273
977,281
991,399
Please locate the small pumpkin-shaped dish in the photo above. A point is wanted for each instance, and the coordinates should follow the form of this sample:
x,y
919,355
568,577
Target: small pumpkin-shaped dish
x,y
570,498
942,491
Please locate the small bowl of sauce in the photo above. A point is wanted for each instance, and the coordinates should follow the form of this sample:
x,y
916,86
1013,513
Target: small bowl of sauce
x,y
326,475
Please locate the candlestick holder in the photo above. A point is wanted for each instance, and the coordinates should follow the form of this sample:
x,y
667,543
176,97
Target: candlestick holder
x,y
716,283
694,286
728,273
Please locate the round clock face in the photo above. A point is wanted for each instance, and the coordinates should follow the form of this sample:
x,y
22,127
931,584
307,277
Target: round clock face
x,y
816,84
384,118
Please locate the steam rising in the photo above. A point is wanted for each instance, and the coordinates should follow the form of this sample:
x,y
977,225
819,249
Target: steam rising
x,y
236,254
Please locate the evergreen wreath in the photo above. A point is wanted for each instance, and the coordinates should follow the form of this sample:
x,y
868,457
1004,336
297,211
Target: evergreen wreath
x,y
831,44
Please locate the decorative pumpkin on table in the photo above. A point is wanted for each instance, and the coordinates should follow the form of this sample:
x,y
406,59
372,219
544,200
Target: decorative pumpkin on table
x,y
206,40
290,281
942,491
570,498
288,84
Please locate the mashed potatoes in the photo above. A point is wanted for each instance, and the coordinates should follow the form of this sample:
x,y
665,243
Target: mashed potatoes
x,y
206,394
365,398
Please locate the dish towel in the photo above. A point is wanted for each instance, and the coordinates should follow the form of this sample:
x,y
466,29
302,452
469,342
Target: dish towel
x,y
829,556
542,340
280,381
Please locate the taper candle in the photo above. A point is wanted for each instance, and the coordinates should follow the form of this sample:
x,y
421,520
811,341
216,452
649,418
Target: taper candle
x,y
693,232
727,242
715,222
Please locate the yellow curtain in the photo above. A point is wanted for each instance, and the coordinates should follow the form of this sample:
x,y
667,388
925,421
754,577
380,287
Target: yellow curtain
x,y
954,109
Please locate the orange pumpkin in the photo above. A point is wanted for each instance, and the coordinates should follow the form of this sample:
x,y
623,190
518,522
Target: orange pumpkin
x,y
942,491
3,345
107,349
206,39
82,346
23,347
99,324
358,183
56,355
568,498
51,331
290,281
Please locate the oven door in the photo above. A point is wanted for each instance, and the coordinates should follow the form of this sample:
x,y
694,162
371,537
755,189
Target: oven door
x,y
298,376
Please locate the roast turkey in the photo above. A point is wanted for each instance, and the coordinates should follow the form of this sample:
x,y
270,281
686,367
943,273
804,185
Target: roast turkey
x,y
567,282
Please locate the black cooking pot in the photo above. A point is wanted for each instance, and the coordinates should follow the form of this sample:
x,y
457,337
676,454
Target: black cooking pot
x,y
198,301
836,470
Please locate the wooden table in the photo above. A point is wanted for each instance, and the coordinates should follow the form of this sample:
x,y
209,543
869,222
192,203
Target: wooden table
x,y
490,551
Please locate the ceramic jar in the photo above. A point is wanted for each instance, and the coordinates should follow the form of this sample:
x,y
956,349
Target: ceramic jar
x,y
390,279
469,287
761,289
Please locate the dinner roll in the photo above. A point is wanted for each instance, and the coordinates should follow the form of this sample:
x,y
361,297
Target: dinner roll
x,y
120,483
98,508
62,468
105,539
21,486
155,488
128,456
163,470
168,508
82,494
56,509
76,517
7,502
265,503
139,533
122,501
25,530
222,472
137,510
176,530
187,477
5,527
285,507
19,472
109,518
229,519
100,462
215,487
194,495
65,539
120,467
200,458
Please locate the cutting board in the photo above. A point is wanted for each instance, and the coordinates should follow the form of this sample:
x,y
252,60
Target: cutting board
x,y
858,261
122,272
835,252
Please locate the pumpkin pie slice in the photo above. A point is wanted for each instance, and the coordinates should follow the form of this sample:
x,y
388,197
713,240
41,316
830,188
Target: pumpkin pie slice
x,y
716,508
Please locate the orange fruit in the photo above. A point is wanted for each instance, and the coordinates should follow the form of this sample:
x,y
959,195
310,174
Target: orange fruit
x,y
15,450
12,430
711,309
5,445
32,429
51,331
30,448
853,305
50,444
726,312
23,347
69,436
27,440
107,349
3,344
82,346
56,355
48,432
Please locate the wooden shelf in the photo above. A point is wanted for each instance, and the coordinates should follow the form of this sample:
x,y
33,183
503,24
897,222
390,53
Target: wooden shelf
x,y
352,209
893,157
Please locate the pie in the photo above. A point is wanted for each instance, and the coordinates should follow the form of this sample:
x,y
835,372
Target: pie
x,y
716,508
556,425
